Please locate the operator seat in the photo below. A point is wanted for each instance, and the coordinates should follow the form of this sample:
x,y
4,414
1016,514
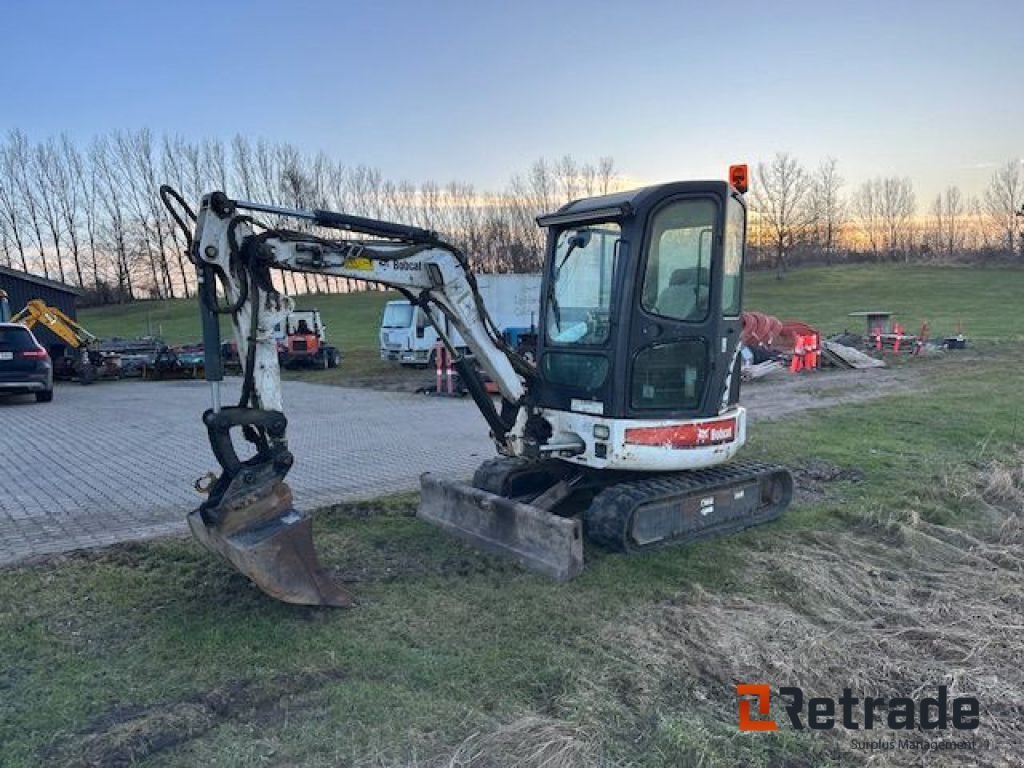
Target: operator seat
x,y
679,299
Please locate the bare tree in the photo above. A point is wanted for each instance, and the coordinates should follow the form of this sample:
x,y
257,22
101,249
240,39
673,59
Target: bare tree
x,y
48,182
948,210
588,179
978,230
160,227
241,166
827,209
607,177
26,187
67,164
5,244
172,172
780,197
86,179
10,204
126,148
898,207
464,221
567,177
110,196
1003,200
215,164
867,210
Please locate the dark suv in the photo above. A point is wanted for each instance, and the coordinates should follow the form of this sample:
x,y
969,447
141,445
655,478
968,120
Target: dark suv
x,y
24,364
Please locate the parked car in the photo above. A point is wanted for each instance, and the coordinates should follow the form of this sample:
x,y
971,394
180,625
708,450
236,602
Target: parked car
x,y
25,364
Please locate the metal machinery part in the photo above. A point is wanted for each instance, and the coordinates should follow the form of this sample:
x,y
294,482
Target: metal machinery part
x,y
619,427
86,364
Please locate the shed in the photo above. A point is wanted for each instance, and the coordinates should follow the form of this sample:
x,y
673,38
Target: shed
x,y
22,286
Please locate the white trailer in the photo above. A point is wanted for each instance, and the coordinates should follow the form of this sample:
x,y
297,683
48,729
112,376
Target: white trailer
x,y
407,337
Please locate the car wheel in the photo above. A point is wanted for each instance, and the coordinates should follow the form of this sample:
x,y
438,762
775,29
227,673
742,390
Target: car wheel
x,y
44,397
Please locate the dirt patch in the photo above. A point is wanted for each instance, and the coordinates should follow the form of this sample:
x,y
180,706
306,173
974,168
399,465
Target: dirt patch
x,y
125,736
784,394
886,610
811,479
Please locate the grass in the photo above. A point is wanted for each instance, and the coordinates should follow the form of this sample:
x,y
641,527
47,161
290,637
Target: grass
x,y
943,296
981,298
158,654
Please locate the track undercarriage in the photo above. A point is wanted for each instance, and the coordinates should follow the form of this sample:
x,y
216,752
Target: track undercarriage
x,y
536,511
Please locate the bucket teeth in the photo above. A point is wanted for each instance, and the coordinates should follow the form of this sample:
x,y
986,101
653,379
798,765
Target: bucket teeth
x,y
268,541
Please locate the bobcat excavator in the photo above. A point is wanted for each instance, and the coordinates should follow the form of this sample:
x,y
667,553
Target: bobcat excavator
x,y
622,429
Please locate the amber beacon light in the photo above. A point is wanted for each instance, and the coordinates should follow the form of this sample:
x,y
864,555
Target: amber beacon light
x,y
738,177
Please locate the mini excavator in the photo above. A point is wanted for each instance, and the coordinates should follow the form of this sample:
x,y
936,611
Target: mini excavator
x,y
621,429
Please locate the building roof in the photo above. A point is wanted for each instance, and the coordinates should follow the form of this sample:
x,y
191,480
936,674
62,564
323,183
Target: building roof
x,y
57,286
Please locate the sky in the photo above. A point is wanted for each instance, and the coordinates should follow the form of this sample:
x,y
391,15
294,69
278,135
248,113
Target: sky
x,y
476,91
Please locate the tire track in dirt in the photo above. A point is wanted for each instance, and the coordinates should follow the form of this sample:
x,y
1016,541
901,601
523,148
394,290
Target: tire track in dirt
x,y
124,737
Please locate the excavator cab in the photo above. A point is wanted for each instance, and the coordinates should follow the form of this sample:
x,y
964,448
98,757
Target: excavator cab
x,y
641,303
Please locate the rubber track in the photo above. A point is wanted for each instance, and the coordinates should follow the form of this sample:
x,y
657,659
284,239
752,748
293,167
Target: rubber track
x,y
607,519
498,475
490,476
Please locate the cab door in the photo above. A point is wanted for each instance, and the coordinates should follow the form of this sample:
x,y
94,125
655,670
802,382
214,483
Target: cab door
x,y
685,325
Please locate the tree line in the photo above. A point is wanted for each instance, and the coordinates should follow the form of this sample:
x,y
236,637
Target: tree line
x,y
90,215
811,215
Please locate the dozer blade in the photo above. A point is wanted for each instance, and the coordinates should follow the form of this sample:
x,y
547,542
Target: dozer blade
x,y
271,543
535,538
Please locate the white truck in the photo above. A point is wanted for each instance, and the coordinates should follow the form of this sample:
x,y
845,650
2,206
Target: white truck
x,y
513,301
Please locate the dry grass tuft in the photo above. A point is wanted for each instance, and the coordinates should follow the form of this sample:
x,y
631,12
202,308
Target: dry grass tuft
x,y
892,608
529,742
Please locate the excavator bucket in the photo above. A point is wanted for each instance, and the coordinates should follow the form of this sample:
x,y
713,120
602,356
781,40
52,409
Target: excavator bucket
x,y
535,538
272,544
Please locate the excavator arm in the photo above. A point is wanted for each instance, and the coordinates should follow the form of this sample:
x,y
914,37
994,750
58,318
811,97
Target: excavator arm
x,y
248,516
412,260
37,311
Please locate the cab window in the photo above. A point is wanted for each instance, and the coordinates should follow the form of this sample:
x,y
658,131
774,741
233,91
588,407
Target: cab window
x,y
669,376
677,278
580,288
732,265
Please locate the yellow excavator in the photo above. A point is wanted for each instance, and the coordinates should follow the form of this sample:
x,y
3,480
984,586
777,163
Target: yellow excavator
x,y
85,364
